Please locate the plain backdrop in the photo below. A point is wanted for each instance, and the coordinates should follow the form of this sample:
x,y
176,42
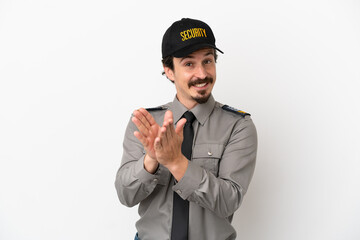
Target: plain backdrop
x,y
72,72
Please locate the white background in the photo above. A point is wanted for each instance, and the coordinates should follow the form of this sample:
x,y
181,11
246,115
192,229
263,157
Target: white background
x,y
73,71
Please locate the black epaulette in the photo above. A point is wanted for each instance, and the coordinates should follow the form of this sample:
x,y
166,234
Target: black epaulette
x,y
234,110
156,108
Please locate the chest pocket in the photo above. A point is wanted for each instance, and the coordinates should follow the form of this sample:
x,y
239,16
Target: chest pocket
x,y
208,156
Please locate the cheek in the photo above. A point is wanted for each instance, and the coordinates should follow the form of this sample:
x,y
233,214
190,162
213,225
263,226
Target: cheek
x,y
183,78
213,72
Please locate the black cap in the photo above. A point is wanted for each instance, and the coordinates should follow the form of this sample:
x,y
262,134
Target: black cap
x,y
186,36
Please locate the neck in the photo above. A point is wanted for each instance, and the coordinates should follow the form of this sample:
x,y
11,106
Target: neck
x,y
189,104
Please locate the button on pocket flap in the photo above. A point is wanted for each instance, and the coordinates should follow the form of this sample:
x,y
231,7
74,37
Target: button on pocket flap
x,y
207,151
208,156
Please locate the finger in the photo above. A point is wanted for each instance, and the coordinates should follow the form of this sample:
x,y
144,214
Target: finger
x,y
180,126
163,135
141,138
168,116
142,118
142,128
149,118
168,123
157,144
170,129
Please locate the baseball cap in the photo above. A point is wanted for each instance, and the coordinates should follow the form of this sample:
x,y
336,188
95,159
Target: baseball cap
x,y
186,36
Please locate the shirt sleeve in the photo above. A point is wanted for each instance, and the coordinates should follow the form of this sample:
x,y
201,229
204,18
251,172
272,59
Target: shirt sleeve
x,y
223,194
133,183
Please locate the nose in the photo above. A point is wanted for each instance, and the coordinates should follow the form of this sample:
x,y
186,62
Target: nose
x,y
200,72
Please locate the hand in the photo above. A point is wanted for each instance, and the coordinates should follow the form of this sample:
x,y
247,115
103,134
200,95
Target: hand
x,y
148,131
168,146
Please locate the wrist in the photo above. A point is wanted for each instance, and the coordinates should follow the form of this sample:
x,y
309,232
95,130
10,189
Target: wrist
x,y
178,167
150,164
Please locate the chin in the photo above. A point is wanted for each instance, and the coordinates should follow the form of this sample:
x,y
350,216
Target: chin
x,y
202,99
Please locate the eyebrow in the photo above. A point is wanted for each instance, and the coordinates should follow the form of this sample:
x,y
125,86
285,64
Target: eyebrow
x,y
210,52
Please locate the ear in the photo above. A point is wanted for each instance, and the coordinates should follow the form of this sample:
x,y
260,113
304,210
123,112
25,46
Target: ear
x,y
169,73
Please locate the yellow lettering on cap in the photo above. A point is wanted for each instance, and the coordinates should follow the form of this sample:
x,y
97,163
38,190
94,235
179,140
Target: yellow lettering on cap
x,y
197,32
189,36
183,36
192,33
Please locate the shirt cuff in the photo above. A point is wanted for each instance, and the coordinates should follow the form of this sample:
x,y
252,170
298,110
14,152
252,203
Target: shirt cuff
x,y
161,175
190,181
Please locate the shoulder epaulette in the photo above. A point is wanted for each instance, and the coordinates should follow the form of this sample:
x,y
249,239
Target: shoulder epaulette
x,y
156,108
234,110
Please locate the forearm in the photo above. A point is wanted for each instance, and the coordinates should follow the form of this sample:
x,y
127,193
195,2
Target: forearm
x,y
133,182
223,197
221,189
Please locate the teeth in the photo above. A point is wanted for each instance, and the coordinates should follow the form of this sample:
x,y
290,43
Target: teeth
x,y
200,85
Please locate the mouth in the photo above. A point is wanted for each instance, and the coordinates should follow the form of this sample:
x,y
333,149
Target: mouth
x,y
201,84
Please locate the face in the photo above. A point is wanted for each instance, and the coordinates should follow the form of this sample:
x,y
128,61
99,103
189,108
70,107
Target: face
x,y
194,77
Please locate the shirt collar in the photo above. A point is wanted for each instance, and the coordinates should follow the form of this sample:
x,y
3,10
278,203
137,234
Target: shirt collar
x,y
201,111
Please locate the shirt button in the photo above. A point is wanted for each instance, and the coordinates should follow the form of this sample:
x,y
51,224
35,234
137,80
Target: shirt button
x,y
155,180
178,191
210,153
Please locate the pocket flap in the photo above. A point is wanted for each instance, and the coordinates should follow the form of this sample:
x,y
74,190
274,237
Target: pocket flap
x,y
207,150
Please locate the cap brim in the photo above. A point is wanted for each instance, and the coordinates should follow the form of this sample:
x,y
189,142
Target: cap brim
x,y
187,51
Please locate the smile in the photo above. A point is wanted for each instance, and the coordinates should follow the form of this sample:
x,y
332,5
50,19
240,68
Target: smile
x,y
200,85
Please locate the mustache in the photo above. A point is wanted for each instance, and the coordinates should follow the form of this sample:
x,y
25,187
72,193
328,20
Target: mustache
x,y
200,81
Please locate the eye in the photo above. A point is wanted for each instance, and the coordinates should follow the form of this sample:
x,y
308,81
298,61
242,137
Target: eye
x,y
188,64
208,61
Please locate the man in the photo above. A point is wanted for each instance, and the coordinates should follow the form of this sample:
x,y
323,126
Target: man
x,y
189,162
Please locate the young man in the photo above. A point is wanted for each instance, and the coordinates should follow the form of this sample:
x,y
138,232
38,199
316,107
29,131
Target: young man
x,y
189,162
